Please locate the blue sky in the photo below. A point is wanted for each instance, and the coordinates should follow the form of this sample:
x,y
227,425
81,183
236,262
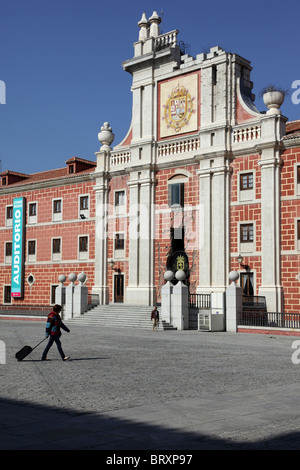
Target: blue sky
x,y
61,61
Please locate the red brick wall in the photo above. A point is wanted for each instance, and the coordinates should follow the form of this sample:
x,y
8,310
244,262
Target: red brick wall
x,y
43,269
165,220
250,211
117,224
290,211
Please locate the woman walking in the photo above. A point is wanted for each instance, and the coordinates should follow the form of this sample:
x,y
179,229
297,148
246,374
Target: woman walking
x,y
53,326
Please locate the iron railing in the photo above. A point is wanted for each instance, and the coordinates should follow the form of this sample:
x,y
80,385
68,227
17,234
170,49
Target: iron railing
x,y
254,301
269,319
199,300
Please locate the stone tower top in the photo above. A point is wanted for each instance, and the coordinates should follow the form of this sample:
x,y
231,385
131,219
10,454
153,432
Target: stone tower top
x,y
149,28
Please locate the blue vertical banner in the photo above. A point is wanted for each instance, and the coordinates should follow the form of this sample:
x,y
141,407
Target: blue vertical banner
x,y
17,269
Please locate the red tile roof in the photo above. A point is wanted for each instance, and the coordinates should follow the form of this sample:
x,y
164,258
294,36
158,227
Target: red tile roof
x,y
292,129
86,167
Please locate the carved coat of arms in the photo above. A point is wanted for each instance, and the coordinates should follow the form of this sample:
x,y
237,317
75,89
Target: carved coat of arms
x,y
178,108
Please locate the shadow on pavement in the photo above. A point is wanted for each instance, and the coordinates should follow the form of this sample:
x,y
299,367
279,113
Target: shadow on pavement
x,y
28,426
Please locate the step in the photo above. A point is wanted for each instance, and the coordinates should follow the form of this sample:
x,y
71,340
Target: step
x,y
116,315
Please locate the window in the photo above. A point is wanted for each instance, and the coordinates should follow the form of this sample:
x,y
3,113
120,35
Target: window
x,y
56,245
119,241
9,212
32,213
56,249
31,247
120,203
8,249
119,198
83,244
84,207
53,287
247,284
32,209
8,252
298,234
176,195
84,202
9,216
7,294
298,229
57,210
246,233
57,206
83,247
246,181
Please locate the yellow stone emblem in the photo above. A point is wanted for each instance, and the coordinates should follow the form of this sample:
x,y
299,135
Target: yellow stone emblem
x,y
180,263
178,108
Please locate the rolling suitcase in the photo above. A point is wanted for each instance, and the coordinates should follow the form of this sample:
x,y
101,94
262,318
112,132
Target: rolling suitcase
x,y
26,350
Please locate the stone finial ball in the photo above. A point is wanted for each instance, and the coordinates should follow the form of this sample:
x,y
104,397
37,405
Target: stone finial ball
x,y
180,275
233,276
62,278
72,277
169,275
81,277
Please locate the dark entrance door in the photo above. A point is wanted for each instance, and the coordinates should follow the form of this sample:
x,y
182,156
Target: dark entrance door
x,y
247,284
119,288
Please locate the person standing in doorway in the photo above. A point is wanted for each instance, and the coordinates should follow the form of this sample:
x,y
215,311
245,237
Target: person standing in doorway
x,y
53,326
155,318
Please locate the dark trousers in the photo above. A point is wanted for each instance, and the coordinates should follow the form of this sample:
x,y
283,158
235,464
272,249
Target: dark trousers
x,y
50,343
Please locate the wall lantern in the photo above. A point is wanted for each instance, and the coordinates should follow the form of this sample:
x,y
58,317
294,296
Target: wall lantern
x,y
112,264
240,259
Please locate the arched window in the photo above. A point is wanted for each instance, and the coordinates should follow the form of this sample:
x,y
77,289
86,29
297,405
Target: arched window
x,y
176,191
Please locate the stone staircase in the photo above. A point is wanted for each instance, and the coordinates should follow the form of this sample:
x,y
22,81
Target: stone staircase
x,y
119,316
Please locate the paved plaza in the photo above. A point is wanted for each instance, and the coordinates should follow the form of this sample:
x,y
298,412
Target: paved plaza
x,y
129,389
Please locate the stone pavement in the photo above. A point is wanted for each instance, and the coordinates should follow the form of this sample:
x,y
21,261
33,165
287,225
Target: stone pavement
x,y
142,390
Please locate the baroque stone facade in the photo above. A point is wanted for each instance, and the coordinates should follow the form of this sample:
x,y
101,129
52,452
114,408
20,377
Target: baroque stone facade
x,y
202,181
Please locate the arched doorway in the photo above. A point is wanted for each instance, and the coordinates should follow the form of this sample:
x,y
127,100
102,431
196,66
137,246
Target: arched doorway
x,y
179,261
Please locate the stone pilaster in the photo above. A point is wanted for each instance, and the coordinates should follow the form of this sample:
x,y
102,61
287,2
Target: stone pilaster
x,y
141,289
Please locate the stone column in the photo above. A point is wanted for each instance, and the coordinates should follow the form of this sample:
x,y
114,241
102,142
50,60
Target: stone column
x,y
80,301
60,291
166,297
101,192
270,164
180,303
68,311
234,304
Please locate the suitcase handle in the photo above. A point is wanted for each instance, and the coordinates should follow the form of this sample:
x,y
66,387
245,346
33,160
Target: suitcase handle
x,y
39,343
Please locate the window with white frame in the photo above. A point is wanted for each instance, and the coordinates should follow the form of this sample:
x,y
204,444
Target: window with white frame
x,y
298,234
31,250
83,247
57,210
8,253
297,179
120,202
56,249
32,213
246,186
246,237
176,195
84,209
9,216
119,245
